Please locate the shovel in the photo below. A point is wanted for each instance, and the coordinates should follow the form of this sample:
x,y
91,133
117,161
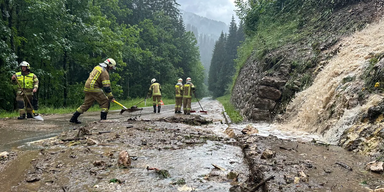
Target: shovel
x,y
132,109
38,117
124,108
202,110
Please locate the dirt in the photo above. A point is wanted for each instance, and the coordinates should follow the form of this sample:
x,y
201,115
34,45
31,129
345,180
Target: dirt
x,y
169,152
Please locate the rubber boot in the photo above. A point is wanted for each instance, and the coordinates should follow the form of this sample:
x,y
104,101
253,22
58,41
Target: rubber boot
x,y
158,110
154,108
21,116
74,118
29,115
103,115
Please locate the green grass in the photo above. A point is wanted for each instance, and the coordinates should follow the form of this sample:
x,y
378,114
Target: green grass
x,y
127,103
230,109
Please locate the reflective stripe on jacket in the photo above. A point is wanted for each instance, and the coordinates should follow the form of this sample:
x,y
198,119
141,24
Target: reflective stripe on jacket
x,y
187,90
27,83
179,90
98,78
155,88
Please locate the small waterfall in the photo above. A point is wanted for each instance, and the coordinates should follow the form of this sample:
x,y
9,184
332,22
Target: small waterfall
x,y
309,110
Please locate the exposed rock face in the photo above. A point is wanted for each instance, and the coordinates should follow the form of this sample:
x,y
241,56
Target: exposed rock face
x,y
257,93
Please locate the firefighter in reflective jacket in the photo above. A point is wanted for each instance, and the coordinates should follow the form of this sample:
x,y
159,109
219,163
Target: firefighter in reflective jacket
x,y
188,89
28,85
97,81
179,95
155,90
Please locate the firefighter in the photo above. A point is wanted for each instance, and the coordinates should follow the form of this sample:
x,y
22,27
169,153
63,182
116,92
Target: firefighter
x,y
97,88
28,83
179,95
155,90
188,89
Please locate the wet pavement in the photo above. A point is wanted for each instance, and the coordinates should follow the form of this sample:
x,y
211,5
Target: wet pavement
x,y
172,152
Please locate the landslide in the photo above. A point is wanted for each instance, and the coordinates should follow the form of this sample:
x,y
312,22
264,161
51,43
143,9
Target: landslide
x,y
291,43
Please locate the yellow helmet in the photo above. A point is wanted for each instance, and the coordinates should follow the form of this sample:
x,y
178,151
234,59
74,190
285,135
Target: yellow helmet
x,y
153,80
25,64
111,63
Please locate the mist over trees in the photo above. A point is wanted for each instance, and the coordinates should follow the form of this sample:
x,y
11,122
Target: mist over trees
x,y
223,68
207,32
64,40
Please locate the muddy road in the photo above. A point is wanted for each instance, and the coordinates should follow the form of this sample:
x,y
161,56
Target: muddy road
x,y
172,152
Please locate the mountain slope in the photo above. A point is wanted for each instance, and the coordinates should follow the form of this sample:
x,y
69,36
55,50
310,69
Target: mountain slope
x,y
319,49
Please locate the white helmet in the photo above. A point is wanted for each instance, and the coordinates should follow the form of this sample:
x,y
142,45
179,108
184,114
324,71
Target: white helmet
x,y
180,80
188,79
153,80
111,63
25,64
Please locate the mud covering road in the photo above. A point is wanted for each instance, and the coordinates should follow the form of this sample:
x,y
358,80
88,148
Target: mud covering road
x,y
169,152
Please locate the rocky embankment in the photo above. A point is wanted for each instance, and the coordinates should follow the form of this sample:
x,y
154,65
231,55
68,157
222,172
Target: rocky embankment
x,y
332,91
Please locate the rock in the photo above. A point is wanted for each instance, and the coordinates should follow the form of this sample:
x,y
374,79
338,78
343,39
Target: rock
x,y
124,159
303,176
232,175
272,81
249,129
268,154
32,178
289,178
98,163
4,155
230,132
296,180
269,93
91,142
375,166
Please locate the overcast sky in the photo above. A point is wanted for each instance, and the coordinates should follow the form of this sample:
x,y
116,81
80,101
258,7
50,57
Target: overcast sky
x,y
219,10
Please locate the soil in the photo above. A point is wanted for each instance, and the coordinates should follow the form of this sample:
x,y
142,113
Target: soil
x,y
170,152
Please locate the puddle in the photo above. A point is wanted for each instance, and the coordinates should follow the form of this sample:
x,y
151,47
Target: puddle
x,y
191,164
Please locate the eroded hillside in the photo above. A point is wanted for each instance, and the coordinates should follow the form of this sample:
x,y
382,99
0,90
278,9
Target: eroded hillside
x,y
320,82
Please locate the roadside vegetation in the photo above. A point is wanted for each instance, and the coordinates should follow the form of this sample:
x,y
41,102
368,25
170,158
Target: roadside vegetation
x,y
53,110
230,109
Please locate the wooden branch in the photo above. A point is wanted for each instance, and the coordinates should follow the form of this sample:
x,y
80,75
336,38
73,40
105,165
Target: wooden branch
x,y
262,183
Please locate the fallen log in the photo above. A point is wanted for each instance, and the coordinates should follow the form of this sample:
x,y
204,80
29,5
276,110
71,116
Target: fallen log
x,y
262,183
101,132
73,139
344,165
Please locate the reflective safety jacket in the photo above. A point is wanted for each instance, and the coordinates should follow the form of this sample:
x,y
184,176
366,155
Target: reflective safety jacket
x,y
27,82
155,88
179,90
188,89
98,79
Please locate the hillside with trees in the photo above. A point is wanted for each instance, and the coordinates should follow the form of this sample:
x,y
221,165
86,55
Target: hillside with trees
x,y
64,40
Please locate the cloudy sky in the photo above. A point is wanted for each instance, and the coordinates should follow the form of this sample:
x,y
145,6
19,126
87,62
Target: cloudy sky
x,y
220,10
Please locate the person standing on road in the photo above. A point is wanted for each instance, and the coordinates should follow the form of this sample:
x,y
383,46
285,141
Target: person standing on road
x,y
188,89
179,95
28,83
155,90
97,81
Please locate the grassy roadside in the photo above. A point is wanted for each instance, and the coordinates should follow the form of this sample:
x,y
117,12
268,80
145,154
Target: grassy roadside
x,y
230,109
44,110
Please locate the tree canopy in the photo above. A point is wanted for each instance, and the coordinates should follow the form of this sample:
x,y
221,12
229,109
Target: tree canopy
x,y
64,40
